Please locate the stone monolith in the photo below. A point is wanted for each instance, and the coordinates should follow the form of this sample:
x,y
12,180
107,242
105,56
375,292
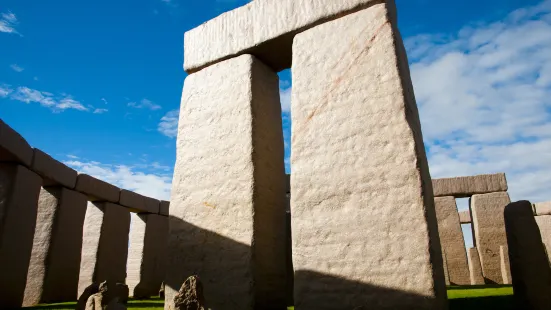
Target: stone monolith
x,y
475,268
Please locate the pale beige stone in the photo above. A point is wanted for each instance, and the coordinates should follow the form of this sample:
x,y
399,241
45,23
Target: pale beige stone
x,y
97,190
446,273
55,260
164,208
504,259
489,231
53,172
465,217
229,188
363,218
13,147
544,224
468,186
19,190
530,268
451,239
475,268
138,203
543,208
262,28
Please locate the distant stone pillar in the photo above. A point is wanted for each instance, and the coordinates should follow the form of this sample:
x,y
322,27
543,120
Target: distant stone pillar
x,y
544,224
529,265
105,244
19,190
55,261
446,272
489,232
475,268
227,212
451,239
504,260
146,254
364,224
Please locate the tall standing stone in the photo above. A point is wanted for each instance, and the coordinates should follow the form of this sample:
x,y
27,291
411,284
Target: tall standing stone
x,y
544,225
451,239
489,231
530,268
146,254
227,209
504,259
475,268
19,190
55,260
105,244
364,226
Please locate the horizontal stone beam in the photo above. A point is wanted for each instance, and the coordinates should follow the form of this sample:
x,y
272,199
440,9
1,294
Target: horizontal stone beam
x,y
264,29
465,217
138,203
53,172
164,207
13,147
468,186
542,208
97,190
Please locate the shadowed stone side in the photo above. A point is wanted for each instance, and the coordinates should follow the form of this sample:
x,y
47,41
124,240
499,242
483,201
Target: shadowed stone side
x,y
55,260
529,264
451,239
146,255
544,224
138,203
489,231
468,186
475,268
53,172
97,190
229,182
362,203
19,190
13,148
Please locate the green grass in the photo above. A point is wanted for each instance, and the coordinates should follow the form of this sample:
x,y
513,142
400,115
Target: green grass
x,y
460,298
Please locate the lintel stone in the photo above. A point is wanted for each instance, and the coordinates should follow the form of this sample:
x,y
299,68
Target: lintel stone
x,y
139,203
13,147
53,171
468,186
97,190
465,217
164,207
543,208
264,29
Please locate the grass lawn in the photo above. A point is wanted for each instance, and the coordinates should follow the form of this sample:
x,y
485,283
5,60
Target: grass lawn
x,y
460,298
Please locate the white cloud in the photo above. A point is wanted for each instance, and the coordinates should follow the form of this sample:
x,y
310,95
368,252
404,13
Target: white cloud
x,y
169,124
285,99
16,68
70,103
46,99
104,100
145,104
72,156
100,111
5,90
8,21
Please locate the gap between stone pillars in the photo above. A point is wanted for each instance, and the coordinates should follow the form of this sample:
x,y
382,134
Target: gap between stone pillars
x,y
55,260
19,190
227,209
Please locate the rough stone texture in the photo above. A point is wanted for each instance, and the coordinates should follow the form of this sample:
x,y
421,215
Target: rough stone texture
x,y
53,172
544,224
55,259
364,224
468,186
139,203
451,239
19,190
262,28
13,147
543,208
475,268
86,293
504,260
105,244
190,296
529,265
97,190
164,207
489,231
446,273
465,217
229,188
146,255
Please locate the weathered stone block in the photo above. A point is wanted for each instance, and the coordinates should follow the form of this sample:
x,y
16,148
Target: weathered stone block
x,y
364,224
544,224
489,232
19,190
468,186
229,188
475,268
52,171
543,208
13,147
164,208
465,217
504,259
55,260
529,264
451,239
97,190
139,203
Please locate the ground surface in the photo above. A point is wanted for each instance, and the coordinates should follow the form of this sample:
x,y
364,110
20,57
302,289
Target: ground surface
x,y
461,297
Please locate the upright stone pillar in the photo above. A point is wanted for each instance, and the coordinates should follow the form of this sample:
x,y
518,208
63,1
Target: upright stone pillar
x,y
544,225
451,239
504,259
475,268
146,254
364,226
19,190
227,212
105,244
55,261
489,232
529,265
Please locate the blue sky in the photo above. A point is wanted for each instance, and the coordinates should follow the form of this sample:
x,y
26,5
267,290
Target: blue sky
x,y
97,85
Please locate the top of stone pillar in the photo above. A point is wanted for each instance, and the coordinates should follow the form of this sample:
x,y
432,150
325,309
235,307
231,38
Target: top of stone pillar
x,y
13,147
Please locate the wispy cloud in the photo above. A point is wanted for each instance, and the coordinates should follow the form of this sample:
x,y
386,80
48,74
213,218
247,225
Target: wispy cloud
x,y
169,124
145,104
45,99
100,111
5,90
8,21
16,68
104,100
